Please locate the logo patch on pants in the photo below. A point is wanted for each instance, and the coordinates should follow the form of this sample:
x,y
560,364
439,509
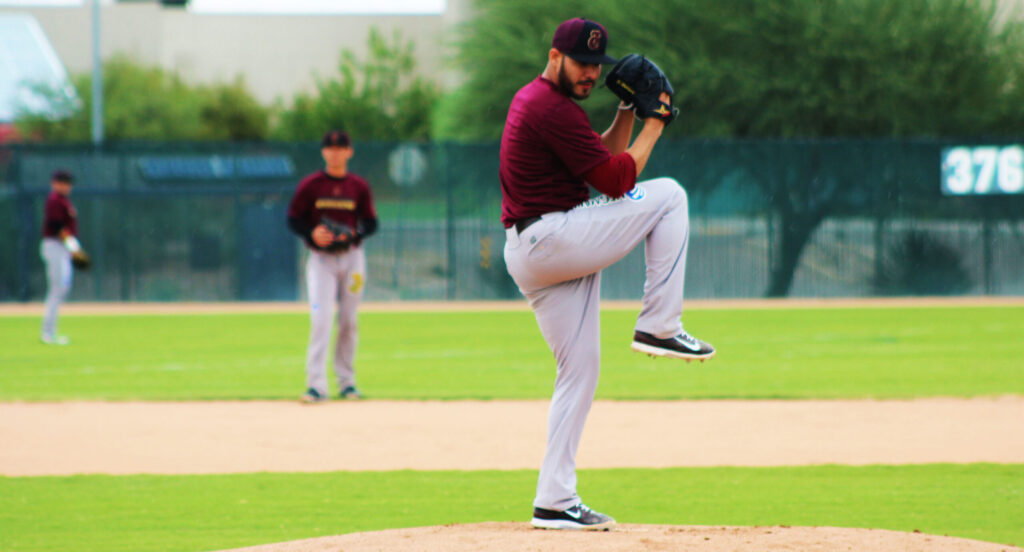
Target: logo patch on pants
x,y
637,193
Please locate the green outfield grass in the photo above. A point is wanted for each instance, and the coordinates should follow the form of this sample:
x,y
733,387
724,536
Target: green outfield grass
x,y
783,353
191,513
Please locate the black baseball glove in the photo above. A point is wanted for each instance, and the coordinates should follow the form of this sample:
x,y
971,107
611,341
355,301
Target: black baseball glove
x,y
344,235
80,260
637,80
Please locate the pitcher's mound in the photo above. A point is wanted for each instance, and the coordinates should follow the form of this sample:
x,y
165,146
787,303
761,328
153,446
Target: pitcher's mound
x,y
506,536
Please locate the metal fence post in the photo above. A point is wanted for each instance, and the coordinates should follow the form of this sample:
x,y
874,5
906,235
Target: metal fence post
x,y
23,201
442,164
124,267
986,254
878,239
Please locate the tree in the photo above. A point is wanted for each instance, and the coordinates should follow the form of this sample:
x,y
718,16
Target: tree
x,y
866,68
780,68
375,99
230,112
149,103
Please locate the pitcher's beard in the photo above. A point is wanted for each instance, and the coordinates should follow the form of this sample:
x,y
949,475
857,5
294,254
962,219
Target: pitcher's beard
x,y
568,86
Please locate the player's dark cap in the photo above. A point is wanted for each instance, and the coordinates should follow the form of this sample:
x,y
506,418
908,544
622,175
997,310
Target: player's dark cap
x,y
582,40
336,138
61,175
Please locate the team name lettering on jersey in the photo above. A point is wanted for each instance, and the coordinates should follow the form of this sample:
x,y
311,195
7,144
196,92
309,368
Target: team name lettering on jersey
x,y
342,204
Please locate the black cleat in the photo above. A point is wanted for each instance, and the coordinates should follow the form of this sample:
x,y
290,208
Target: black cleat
x,y
312,396
579,517
683,346
350,392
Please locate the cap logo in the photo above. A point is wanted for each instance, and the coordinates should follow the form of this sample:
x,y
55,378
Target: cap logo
x,y
594,42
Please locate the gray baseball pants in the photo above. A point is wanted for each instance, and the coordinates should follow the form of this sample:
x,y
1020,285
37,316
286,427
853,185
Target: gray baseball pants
x,y
333,281
59,273
557,263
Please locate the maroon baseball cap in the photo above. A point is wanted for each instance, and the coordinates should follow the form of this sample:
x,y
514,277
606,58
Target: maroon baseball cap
x,y
582,40
336,138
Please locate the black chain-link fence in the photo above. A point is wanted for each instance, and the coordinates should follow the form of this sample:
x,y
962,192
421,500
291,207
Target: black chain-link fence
x,y
206,222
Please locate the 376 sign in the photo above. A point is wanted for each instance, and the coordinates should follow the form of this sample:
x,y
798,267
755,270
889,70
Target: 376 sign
x,y
983,170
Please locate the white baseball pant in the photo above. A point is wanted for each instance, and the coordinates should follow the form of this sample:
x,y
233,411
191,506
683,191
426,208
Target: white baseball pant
x,y
333,281
557,263
59,274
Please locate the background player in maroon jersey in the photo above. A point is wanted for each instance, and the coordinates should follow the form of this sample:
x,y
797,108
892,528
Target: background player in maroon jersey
x,y
59,245
336,267
558,241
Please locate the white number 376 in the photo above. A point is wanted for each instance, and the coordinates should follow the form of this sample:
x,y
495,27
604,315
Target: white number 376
x,y
983,170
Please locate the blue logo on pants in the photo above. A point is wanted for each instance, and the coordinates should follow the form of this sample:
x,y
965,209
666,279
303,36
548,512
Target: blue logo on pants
x,y
637,193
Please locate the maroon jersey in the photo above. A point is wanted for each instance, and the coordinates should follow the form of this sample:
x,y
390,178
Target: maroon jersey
x,y
345,200
59,214
546,148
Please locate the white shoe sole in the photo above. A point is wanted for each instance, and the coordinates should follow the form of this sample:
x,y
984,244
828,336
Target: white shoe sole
x,y
659,352
565,524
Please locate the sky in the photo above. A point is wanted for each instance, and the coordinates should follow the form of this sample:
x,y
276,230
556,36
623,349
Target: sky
x,y
281,6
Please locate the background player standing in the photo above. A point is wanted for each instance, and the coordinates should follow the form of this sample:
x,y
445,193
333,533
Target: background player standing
x,y
557,243
59,248
332,210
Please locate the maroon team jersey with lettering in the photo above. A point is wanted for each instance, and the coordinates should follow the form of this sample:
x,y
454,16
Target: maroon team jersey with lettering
x,y
546,148
59,214
345,200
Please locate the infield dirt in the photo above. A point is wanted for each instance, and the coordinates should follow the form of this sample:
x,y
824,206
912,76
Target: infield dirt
x,y
250,436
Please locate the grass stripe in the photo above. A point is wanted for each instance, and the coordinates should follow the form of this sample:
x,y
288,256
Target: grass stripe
x,y
795,353
188,513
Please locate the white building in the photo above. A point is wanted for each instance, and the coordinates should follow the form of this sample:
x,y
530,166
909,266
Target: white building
x,y
277,55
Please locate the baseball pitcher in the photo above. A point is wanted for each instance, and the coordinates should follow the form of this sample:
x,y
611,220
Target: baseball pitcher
x,y
60,250
558,240
332,211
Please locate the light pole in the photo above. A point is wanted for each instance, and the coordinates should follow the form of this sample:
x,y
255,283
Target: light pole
x,y
97,78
